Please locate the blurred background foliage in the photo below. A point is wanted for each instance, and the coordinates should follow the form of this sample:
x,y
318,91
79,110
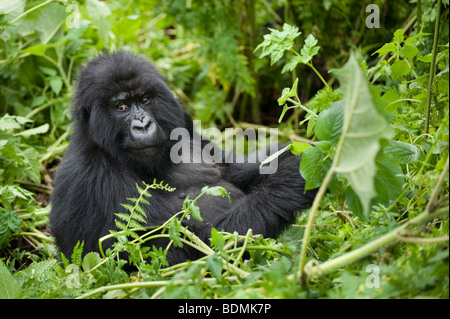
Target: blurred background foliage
x,y
203,48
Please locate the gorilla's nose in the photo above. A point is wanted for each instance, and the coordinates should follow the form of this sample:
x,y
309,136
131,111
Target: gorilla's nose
x,y
140,126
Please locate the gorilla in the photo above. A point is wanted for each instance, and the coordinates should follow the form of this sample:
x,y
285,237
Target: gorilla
x,y
123,114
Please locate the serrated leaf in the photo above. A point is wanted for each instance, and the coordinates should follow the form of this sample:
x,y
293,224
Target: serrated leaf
x,y
141,213
313,168
388,47
214,264
291,64
409,51
288,93
174,225
128,207
399,69
399,36
77,253
9,224
33,131
278,42
134,224
194,210
329,123
404,153
91,260
363,128
216,191
217,239
31,159
309,49
388,180
120,225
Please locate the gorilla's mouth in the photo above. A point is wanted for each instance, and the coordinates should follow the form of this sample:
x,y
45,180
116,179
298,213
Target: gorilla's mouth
x,y
144,148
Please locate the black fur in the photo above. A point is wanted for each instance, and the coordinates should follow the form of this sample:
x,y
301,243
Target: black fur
x,y
103,164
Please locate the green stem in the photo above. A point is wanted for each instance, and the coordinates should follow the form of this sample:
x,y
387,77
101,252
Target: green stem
x,y
43,107
371,247
300,105
389,238
30,10
318,74
312,215
432,66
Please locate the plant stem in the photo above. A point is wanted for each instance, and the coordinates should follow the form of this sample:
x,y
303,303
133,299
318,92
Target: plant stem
x,y
432,66
30,10
371,247
318,74
389,238
312,215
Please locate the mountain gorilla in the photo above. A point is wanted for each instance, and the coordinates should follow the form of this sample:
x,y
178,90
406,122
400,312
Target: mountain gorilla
x,y
123,115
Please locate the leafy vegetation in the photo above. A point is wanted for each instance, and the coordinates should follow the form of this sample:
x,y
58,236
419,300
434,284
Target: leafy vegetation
x,y
373,102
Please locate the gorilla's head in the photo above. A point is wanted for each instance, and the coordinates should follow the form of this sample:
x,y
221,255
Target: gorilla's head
x,y
124,106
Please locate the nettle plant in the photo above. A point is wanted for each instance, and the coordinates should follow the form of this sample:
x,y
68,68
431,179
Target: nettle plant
x,y
360,150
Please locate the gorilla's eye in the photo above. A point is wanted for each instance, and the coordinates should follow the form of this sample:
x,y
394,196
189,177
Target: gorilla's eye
x,y
122,107
145,100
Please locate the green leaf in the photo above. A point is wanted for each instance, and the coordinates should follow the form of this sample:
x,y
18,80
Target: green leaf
x,y
48,71
194,210
49,20
291,64
313,168
217,239
329,123
277,42
214,264
285,95
56,84
9,287
404,153
399,68
91,260
38,49
215,191
309,49
9,224
388,47
426,58
174,225
12,122
363,128
33,131
399,36
31,159
77,253
298,148
409,51
388,180
275,155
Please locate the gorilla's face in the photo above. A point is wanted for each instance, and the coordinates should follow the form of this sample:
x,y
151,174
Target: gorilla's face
x,y
126,107
135,112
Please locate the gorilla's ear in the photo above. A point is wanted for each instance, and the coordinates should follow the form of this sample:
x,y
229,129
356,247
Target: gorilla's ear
x,y
81,110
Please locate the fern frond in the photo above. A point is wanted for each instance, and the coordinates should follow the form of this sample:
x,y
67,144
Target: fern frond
x,y
77,253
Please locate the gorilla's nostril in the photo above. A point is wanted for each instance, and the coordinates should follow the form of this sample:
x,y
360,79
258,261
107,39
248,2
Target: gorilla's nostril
x,y
140,125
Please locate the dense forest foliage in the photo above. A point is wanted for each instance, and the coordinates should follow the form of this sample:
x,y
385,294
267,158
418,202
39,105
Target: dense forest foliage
x,y
365,82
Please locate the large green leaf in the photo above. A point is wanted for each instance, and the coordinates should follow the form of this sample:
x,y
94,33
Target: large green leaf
x,y
363,128
9,287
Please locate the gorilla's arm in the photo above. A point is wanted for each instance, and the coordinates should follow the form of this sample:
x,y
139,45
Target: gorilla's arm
x,y
271,200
